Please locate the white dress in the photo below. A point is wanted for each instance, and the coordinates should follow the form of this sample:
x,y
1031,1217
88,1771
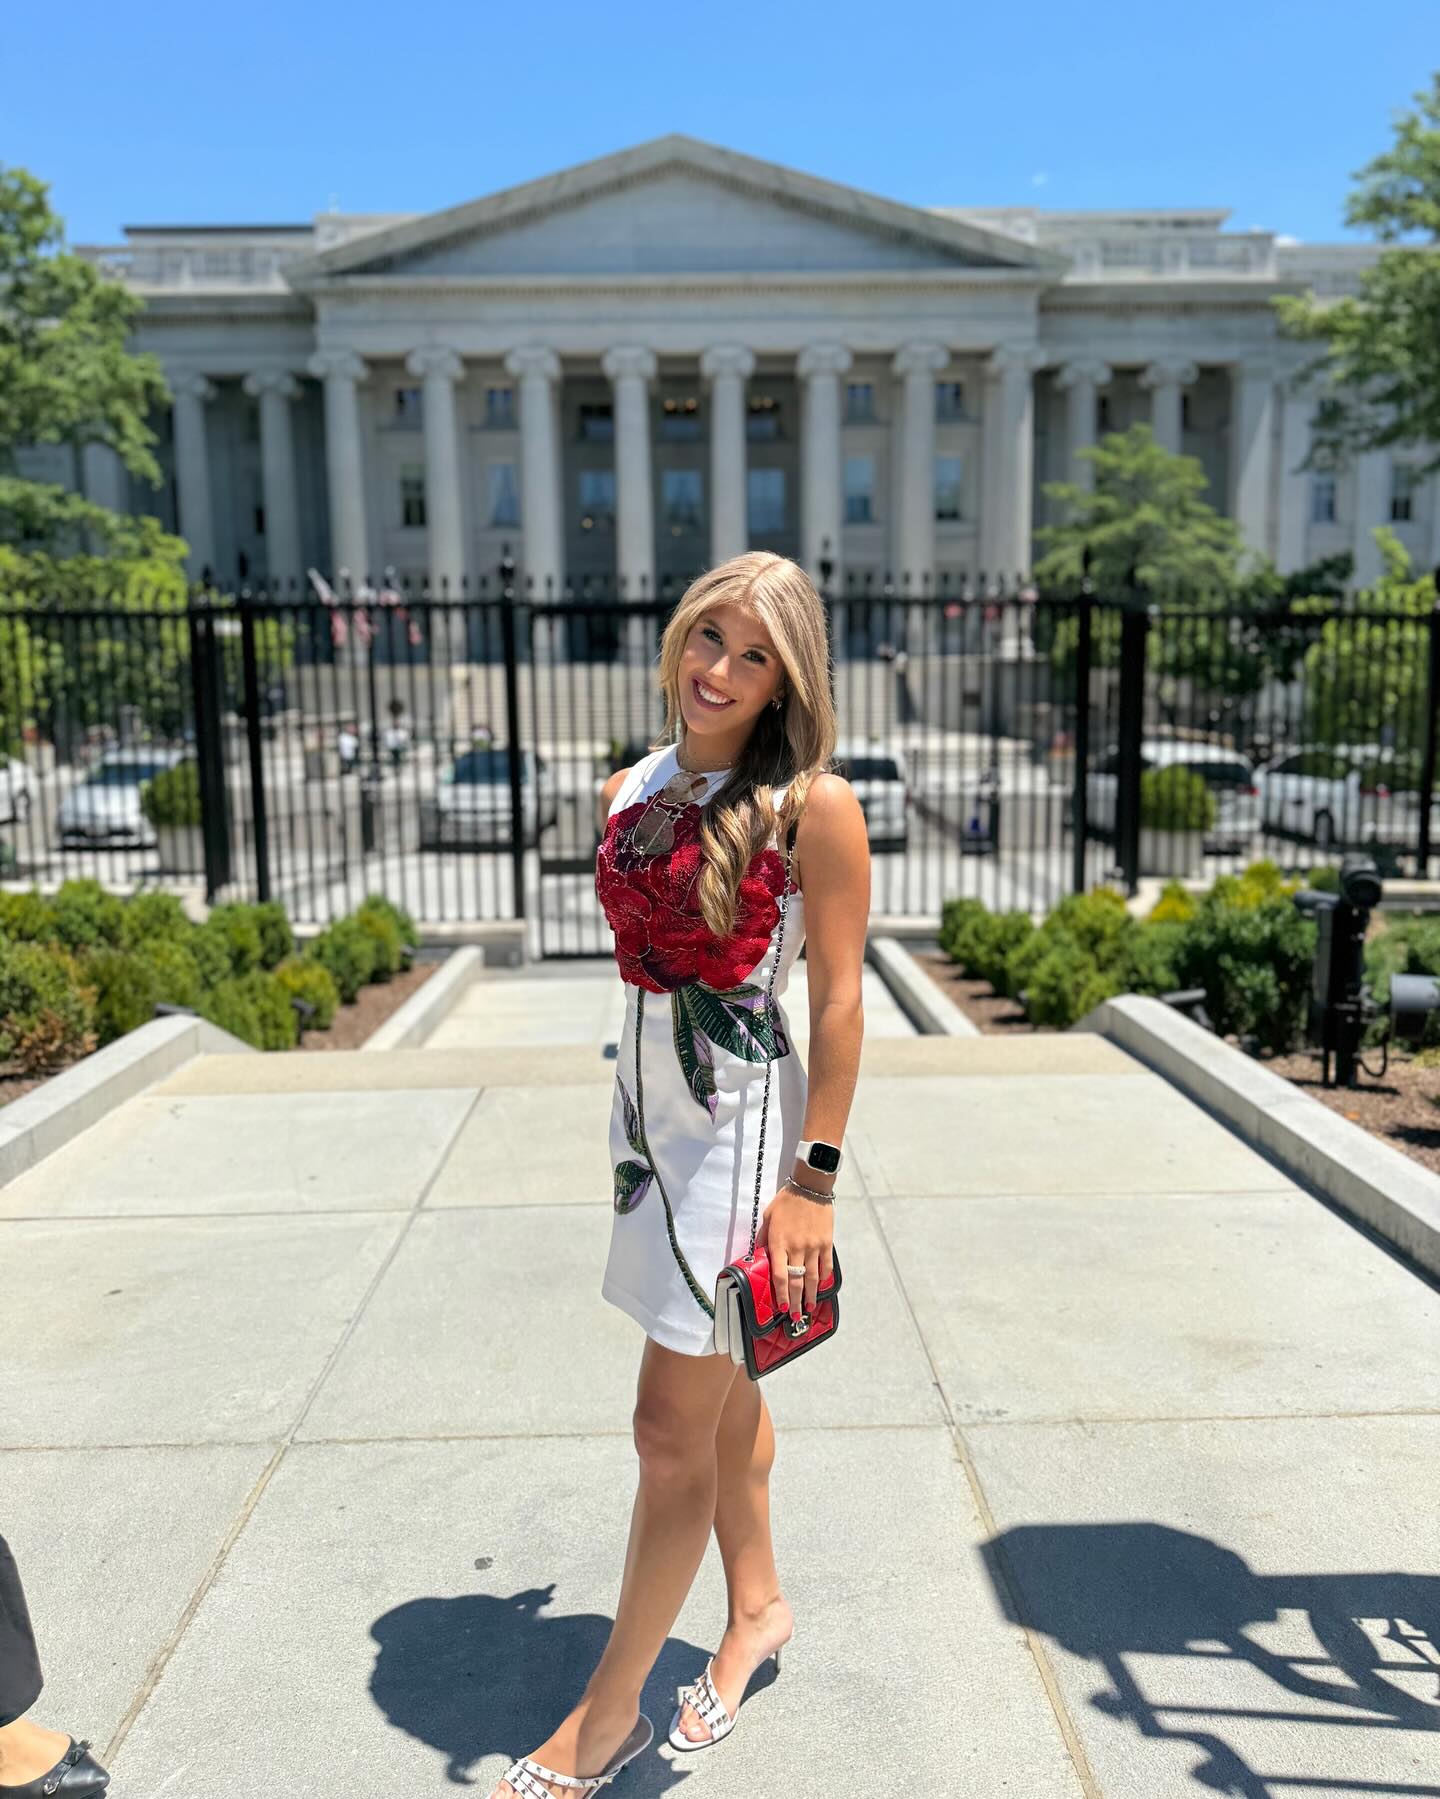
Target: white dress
x,y
690,1074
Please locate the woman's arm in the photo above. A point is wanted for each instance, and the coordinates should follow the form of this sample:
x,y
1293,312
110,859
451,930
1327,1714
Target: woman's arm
x,y
832,863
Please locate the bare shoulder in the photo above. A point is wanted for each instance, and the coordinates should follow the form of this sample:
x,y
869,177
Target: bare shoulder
x,y
832,835
612,786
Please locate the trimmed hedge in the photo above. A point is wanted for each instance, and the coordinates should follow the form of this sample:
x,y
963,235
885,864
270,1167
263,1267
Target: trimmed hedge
x,y
47,1008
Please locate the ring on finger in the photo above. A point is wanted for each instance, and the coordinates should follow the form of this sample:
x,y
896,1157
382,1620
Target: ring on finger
x,y
797,1273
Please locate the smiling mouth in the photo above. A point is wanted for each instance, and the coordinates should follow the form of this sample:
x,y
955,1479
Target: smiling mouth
x,y
703,694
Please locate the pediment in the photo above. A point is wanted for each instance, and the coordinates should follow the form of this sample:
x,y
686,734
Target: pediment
x,y
674,207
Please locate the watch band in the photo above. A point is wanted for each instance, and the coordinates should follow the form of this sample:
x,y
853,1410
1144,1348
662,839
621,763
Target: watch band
x,y
829,1159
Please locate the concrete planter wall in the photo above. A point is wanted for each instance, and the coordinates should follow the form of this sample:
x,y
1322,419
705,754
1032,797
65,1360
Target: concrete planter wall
x,y
1171,852
182,848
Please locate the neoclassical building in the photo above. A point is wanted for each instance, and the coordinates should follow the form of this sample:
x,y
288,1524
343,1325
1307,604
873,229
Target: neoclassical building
x,y
650,361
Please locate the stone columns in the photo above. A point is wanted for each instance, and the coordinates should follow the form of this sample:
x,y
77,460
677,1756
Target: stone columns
x,y
104,478
727,367
1252,421
1165,379
1294,482
631,369
275,389
1007,500
538,372
822,486
439,368
1081,381
342,371
1372,493
917,364
192,470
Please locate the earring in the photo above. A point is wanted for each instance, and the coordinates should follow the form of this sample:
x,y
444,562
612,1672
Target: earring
x,y
776,702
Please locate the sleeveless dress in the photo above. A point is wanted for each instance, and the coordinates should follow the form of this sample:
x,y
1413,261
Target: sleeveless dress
x,y
690,1073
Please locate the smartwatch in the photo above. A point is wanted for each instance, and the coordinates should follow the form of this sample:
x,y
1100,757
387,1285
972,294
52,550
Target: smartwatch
x,y
816,1153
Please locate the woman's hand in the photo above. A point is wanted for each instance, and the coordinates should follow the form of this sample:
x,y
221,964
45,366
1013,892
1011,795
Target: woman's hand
x,y
795,1230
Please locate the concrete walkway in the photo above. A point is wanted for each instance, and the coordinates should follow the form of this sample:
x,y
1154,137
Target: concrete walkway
x,y
1120,1478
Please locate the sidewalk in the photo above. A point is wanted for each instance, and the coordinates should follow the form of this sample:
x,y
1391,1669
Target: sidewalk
x,y
1119,1480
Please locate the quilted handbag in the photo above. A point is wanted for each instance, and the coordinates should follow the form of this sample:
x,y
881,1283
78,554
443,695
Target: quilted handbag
x,y
748,1327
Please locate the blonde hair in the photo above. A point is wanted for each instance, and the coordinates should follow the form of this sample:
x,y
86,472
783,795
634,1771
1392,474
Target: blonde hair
x,y
793,742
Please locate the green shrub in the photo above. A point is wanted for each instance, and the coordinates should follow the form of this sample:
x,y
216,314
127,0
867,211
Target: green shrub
x,y
230,1004
347,949
956,916
1175,799
256,1007
1150,958
277,940
27,917
238,929
996,941
1254,964
153,916
174,970
401,919
1175,905
1066,983
385,934
47,1007
209,946
1324,880
173,796
85,915
310,981
1261,884
125,991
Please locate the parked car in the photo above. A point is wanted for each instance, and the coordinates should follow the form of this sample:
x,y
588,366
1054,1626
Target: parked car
x,y
19,791
1230,777
103,810
1313,793
472,802
881,779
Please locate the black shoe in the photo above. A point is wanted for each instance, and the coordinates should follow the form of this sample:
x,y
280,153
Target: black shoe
x,y
76,1775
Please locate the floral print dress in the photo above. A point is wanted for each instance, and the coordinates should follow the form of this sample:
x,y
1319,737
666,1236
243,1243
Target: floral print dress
x,y
690,1074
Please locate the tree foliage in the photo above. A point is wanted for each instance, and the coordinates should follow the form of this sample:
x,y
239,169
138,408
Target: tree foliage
x,y
1380,366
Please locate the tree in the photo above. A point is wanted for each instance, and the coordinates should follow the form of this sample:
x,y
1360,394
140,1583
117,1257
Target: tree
x,y
1146,520
1381,362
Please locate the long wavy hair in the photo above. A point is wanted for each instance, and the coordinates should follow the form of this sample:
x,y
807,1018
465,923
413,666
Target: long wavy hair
x,y
793,742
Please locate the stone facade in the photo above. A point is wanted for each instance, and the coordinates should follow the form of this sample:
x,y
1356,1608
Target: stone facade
x,y
643,364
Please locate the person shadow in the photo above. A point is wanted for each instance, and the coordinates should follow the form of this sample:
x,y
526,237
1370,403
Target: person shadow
x,y
1361,1652
483,1674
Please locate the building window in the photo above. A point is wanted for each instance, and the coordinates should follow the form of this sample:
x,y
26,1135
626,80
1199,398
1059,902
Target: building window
x,y
1184,412
680,418
1402,493
765,491
949,399
947,487
409,408
860,402
597,499
859,490
504,495
680,497
762,424
500,408
1102,413
1322,500
597,423
412,496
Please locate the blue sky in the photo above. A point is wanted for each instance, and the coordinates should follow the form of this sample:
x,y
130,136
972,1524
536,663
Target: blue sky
x,y
171,114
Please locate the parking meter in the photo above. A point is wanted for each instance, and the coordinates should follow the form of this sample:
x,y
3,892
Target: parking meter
x,y
1341,1005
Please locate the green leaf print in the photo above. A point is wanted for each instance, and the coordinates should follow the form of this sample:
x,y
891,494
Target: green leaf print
x,y
632,1121
736,1018
632,1179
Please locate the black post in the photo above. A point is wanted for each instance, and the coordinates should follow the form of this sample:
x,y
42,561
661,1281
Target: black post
x,y
1080,780
1427,766
206,691
250,667
509,638
1134,626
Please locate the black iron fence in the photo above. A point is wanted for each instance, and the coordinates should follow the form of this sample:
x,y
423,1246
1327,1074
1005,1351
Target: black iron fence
x,y
449,750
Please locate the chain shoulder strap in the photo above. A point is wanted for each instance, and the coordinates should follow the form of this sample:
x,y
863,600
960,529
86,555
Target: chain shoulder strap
x,y
770,1013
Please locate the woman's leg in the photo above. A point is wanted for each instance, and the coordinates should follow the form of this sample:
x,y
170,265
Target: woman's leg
x,y
759,1620
677,1410
27,1750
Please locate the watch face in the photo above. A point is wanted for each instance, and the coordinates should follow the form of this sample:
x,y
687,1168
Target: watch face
x,y
825,1157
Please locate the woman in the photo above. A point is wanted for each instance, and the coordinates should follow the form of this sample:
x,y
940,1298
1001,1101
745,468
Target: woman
x,y
33,1760
691,872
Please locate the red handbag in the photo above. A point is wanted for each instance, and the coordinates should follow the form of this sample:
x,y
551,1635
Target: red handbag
x,y
747,1325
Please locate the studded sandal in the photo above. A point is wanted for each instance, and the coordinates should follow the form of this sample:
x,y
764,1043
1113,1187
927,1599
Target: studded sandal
x,y
709,1707
534,1780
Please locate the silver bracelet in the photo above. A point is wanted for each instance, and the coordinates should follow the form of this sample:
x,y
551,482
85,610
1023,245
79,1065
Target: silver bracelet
x,y
825,1199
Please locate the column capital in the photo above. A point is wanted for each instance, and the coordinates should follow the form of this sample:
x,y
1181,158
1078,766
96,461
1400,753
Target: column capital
x,y
271,381
920,359
342,365
1015,359
435,362
1169,371
727,359
1084,370
828,359
533,359
191,384
629,360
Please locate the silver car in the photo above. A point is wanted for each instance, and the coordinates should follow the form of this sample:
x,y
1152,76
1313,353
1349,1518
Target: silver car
x,y
103,810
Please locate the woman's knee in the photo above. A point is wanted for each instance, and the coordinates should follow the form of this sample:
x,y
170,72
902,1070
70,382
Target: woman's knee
x,y
674,1435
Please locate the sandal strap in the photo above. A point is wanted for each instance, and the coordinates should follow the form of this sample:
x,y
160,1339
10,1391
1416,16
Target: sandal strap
x,y
526,1775
708,1705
